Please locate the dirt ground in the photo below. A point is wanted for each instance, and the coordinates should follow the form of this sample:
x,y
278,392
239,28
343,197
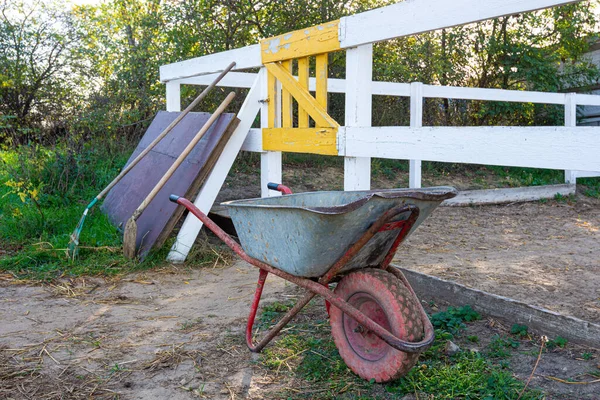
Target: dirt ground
x,y
545,254
173,334
179,334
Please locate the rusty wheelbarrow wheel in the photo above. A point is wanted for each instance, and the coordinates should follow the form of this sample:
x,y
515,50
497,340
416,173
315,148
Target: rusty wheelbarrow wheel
x,y
382,297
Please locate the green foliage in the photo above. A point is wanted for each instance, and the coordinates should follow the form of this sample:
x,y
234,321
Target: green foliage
x,y
452,320
500,346
559,341
587,356
473,338
468,376
519,330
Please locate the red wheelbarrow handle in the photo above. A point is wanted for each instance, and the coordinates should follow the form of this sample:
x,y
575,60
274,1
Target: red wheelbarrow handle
x,y
318,288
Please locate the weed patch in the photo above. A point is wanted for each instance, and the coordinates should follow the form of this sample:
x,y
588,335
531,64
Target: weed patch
x,y
306,353
452,320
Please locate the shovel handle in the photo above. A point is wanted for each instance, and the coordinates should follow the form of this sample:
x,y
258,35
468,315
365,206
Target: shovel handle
x,y
183,155
166,131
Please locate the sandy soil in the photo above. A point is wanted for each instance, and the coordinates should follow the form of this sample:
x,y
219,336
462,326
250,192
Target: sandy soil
x,y
179,334
543,254
174,334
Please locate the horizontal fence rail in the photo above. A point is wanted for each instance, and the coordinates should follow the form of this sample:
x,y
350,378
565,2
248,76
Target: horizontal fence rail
x,y
378,88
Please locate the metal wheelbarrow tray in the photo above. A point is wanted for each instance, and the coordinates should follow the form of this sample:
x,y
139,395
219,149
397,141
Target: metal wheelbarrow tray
x,y
305,234
313,239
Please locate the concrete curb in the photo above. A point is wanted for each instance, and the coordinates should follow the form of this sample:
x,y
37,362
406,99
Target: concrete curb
x,y
511,311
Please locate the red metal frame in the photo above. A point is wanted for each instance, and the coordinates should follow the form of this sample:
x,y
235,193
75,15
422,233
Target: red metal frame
x,y
321,286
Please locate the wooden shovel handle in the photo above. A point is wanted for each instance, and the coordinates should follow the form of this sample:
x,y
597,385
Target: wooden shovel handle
x,y
183,155
166,130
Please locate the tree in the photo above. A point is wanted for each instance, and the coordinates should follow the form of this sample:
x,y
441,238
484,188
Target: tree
x,y
37,64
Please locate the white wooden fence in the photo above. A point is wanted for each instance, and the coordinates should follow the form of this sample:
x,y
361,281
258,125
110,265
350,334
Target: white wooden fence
x,y
570,148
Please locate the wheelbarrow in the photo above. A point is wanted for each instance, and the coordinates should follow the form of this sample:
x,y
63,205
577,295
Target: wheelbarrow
x,y
319,238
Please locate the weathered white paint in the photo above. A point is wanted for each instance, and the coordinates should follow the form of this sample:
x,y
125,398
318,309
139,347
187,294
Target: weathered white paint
x,y
571,102
173,95
244,57
359,74
587,99
232,79
253,141
516,96
570,121
270,161
416,16
587,174
509,195
535,147
208,193
416,121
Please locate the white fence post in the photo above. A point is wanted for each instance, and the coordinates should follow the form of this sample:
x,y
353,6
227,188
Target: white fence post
x,y
173,95
359,75
211,187
416,121
570,120
270,161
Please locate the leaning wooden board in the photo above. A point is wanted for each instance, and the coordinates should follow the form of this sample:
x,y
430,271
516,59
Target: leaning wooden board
x,y
159,218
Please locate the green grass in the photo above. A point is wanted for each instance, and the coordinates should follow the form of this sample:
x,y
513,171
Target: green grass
x,y
34,239
307,355
452,320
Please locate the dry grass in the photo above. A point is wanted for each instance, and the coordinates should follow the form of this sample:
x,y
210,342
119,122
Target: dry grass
x,y
172,357
22,377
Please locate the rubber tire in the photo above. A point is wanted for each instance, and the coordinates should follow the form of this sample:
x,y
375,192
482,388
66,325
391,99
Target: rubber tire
x,y
403,320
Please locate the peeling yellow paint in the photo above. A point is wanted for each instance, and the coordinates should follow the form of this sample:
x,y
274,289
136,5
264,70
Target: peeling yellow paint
x,y
317,39
301,140
301,95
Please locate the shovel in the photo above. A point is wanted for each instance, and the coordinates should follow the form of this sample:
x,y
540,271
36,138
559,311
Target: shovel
x,y
130,234
72,248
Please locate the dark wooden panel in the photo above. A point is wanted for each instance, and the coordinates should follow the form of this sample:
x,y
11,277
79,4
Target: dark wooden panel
x,y
157,221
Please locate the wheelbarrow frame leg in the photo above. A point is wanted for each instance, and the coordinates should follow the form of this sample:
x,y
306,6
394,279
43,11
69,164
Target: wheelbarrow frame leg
x,y
318,288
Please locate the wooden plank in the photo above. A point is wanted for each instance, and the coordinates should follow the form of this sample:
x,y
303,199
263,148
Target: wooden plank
x,y
416,121
587,99
244,57
302,96
232,79
173,95
587,174
270,162
510,311
301,140
535,147
359,74
192,190
208,193
321,71
286,100
253,141
126,196
305,42
416,16
508,195
514,96
303,78
273,101
571,121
